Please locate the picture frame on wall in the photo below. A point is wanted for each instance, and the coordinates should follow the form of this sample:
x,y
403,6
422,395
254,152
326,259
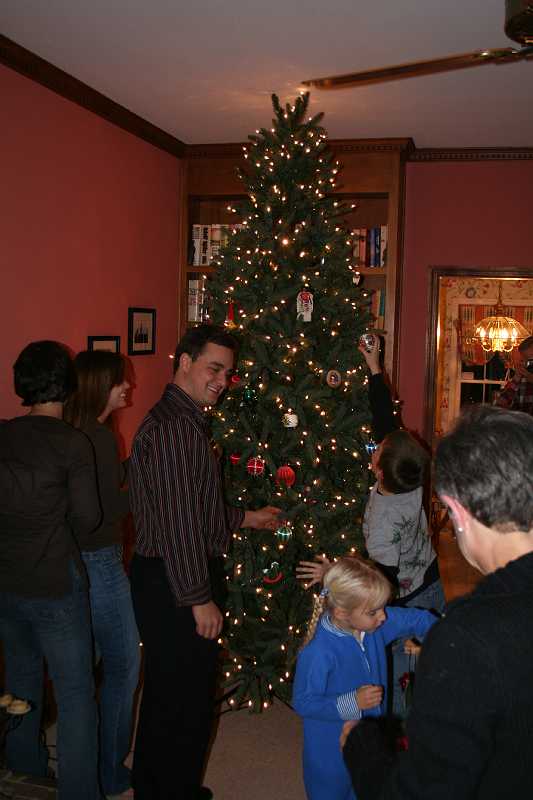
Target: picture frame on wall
x,y
141,331
111,343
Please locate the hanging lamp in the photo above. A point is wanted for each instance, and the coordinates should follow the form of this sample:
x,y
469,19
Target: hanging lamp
x,y
499,333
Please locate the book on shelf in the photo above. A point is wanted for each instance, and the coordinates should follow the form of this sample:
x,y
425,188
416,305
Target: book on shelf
x,y
377,308
197,306
370,247
207,241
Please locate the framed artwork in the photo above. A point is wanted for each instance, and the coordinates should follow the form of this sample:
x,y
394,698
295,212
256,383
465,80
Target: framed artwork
x,y
141,331
111,343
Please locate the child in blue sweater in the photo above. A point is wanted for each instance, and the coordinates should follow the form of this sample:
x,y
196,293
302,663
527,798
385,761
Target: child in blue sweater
x,y
341,673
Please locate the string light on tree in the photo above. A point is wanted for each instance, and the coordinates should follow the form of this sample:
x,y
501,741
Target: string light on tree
x,y
288,276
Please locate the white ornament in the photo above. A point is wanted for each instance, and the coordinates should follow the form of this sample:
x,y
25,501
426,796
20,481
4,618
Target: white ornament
x,y
290,420
304,306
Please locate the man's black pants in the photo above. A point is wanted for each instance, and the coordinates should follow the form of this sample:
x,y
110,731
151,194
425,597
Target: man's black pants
x,y
180,670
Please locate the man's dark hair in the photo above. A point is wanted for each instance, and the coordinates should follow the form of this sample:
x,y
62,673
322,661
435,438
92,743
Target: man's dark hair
x,y
526,344
486,463
403,462
44,373
196,339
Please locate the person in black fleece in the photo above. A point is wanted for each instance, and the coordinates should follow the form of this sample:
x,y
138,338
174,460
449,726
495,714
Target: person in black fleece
x,y
470,730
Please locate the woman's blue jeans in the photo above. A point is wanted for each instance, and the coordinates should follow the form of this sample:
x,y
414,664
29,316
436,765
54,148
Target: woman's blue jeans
x,y
117,642
59,630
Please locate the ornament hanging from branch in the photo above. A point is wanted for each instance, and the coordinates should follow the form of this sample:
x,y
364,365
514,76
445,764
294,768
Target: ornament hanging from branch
x,y
256,466
229,322
249,395
334,378
304,306
285,475
235,458
284,532
273,574
290,420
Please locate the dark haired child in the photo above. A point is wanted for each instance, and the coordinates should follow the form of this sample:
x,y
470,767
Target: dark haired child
x,y
395,526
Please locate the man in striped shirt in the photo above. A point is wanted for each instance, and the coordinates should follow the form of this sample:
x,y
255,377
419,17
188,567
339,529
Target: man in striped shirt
x,y
183,528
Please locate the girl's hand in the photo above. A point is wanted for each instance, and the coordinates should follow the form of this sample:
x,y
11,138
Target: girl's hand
x,y
411,647
369,696
346,728
312,571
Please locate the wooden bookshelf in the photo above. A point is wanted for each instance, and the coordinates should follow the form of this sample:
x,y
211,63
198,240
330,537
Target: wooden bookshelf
x,y
371,177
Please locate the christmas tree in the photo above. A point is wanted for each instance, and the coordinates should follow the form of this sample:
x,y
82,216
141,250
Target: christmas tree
x,y
294,424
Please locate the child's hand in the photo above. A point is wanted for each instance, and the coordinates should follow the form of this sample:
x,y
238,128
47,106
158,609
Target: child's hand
x,y
312,571
346,728
369,696
411,647
372,357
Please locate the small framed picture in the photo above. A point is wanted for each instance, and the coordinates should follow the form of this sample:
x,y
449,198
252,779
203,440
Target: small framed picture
x,y
111,343
141,331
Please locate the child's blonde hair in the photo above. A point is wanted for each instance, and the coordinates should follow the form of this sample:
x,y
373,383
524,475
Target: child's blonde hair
x,y
350,582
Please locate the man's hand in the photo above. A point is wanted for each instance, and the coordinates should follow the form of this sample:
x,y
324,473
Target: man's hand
x,y
313,571
372,357
412,648
208,620
369,696
267,518
346,728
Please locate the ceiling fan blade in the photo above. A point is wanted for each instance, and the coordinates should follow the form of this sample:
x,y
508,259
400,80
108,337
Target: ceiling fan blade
x,y
417,68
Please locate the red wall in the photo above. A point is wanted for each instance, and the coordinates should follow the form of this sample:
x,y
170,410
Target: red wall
x,y
88,227
476,215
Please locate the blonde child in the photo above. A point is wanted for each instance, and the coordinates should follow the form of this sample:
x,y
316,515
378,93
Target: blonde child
x,y
341,672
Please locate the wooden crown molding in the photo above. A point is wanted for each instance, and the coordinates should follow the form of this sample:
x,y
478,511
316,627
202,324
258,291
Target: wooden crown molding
x,y
235,149
45,73
472,154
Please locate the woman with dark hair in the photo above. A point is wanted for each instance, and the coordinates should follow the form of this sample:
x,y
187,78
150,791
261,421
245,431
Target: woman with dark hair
x,y
48,496
102,389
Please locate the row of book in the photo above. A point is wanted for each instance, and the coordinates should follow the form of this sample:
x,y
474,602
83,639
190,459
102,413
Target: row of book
x,y
206,242
369,244
370,247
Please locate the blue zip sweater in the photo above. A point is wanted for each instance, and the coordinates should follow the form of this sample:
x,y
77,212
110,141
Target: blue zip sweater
x,y
329,671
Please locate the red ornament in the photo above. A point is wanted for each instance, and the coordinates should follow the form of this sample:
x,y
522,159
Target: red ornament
x,y
285,475
229,322
235,458
235,379
256,465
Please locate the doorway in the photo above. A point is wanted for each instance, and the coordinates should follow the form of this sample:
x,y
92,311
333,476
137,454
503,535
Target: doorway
x,y
460,372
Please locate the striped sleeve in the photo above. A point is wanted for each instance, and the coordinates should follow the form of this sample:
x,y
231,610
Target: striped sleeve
x,y
181,490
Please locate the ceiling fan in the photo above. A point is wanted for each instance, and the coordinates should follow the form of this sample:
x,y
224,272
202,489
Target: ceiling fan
x,y
518,27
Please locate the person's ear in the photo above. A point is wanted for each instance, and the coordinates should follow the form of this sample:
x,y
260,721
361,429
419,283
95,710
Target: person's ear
x,y
339,614
185,363
459,515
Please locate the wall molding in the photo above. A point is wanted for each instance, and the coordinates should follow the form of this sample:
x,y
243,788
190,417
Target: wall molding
x,y
41,71
235,149
471,154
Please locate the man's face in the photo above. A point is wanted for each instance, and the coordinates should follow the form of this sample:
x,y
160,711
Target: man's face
x,y
206,378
